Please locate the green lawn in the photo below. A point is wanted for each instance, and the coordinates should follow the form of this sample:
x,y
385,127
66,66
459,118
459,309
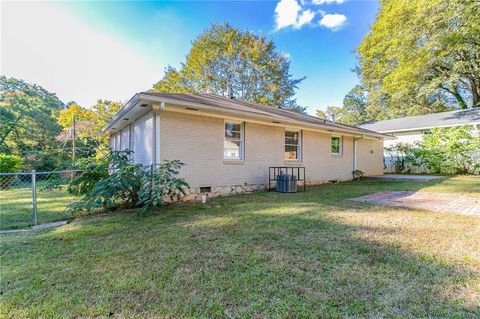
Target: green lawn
x,y
16,206
264,255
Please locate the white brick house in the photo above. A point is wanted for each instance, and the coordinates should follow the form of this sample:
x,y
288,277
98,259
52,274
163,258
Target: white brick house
x,y
228,144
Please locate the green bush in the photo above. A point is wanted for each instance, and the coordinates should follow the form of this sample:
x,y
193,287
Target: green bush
x,y
128,185
454,150
10,163
163,182
358,175
93,170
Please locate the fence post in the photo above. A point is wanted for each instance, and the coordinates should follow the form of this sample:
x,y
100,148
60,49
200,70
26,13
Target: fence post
x,y
151,180
34,197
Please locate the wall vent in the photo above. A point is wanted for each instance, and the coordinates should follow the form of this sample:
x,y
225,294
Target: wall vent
x,y
206,189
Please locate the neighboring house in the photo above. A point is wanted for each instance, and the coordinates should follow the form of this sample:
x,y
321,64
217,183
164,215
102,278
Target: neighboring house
x,y
411,129
228,145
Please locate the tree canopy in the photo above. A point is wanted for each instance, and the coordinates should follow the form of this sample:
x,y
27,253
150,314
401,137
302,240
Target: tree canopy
x,y
36,125
88,123
27,114
422,57
353,110
229,62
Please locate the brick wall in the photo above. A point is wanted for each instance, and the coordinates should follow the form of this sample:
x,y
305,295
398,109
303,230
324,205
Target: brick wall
x,y
198,142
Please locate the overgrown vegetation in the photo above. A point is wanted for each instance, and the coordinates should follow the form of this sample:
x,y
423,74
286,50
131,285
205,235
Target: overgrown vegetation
x,y
116,181
453,150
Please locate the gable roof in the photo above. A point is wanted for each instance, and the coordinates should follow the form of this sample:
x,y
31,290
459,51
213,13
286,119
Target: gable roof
x,y
219,103
443,119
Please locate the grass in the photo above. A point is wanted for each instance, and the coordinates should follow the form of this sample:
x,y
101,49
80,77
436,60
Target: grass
x,y
16,206
313,254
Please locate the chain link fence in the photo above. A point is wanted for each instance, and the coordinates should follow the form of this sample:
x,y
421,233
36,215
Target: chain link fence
x,y
32,198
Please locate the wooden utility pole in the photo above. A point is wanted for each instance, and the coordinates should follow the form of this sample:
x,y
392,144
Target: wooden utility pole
x,y
74,141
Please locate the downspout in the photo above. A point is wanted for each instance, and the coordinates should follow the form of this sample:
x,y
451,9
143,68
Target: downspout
x,y
157,108
355,139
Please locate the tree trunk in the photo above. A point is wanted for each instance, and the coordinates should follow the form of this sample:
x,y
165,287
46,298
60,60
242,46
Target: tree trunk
x,y
475,94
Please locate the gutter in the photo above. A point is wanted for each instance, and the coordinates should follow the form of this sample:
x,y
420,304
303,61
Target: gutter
x,y
355,151
269,118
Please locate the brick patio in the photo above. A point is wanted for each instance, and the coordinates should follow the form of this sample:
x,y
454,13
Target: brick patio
x,y
437,202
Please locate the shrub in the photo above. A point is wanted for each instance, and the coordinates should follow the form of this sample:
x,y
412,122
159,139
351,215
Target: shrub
x,y
451,150
454,150
93,170
128,184
358,175
10,163
163,183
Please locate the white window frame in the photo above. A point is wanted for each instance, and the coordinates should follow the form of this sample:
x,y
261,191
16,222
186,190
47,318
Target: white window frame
x,y
242,140
299,146
340,146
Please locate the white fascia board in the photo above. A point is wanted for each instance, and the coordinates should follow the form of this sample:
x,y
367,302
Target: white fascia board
x,y
255,117
413,129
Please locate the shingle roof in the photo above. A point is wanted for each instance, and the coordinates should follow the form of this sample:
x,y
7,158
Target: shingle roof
x,y
443,119
241,105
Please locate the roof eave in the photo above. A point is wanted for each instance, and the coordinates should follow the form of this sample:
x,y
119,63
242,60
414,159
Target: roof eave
x,y
285,120
235,113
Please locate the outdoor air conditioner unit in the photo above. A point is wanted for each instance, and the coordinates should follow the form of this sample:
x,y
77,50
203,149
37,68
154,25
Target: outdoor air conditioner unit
x,y
286,183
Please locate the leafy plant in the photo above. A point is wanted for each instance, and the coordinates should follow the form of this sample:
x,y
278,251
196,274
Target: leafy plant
x,y
454,150
10,163
358,175
127,184
163,183
93,170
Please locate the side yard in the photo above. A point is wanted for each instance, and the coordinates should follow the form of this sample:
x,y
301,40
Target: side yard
x,y
16,206
313,254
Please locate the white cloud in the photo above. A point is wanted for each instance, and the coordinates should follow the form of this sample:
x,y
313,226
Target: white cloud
x,y
306,17
318,2
64,54
286,13
333,21
290,13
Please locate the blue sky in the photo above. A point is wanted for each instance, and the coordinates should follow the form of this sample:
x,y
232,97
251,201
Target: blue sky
x,y
112,49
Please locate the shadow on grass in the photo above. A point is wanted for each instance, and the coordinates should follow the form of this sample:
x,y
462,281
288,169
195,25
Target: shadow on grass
x,y
263,255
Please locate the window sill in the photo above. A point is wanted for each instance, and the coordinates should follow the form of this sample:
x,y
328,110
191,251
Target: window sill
x,y
293,162
233,162
336,155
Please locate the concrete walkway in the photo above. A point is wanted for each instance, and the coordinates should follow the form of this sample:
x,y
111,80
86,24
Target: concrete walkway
x,y
437,202
398,177
37,227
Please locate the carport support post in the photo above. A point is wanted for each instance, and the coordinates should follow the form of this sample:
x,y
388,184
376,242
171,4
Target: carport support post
x,y
34,197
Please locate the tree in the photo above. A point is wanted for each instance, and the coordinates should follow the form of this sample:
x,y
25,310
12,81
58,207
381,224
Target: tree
x,y
229,62
88,123
354,106
421,57
27,114
332,113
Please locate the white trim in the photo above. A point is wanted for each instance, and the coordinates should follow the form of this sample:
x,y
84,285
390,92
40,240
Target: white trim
x,y
242,140
299,146
157,138
250,116
428,127
340,138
